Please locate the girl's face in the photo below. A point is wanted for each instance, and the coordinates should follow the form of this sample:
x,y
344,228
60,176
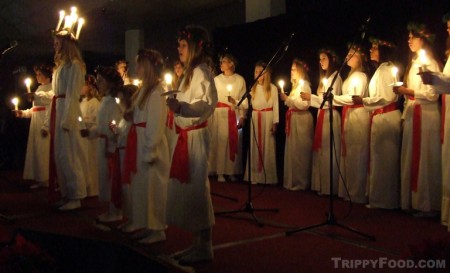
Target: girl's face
x,y
103,86
183,51
414,43
354,60
324,61
57,43
140,70
295,73
40,78
85,90
226,64
374,53
178,68
258,70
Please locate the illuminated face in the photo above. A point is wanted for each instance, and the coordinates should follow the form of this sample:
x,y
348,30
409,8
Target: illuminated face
x,y
353,59
178,68
57,43
122,68
226,64
374,53
183,51
258,70
295,73
40,78
414,43
324,61
85,90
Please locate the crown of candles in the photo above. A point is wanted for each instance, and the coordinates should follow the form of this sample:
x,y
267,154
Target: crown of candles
x,y
69,24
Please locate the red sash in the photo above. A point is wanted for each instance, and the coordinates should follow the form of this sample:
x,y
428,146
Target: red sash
x,y
53,194
180,158
260,146
130,158
317,143
416,146
287,130
232,130
386,109
169,120
344,117
38,108
442,118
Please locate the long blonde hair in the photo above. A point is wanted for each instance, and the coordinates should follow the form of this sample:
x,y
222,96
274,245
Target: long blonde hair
x,y
69,52
267,81
152,64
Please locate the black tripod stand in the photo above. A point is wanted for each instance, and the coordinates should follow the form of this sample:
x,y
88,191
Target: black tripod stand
x,y
248,207
328,97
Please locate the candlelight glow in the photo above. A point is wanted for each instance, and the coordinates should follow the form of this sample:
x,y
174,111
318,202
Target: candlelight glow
x,y
80,119
302,83
28,84
136,82
15,102
168,78
281,84
80,25
62,13
229,88
394,73
117,100
422,56
113,122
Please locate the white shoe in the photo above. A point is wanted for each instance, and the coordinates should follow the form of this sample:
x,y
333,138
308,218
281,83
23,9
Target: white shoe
x,y
220,178
154,237
198,254
71,205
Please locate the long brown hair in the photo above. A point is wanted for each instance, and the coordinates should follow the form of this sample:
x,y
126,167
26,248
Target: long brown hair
x,y
332,65
69,52
199,47
267,80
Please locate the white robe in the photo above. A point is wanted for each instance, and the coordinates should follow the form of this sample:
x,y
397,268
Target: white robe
x,y
108,111
356,134
89,110
219,156
321,159
383,186
267,174
189,204
428,195
38,147
70,151
298,147
148,186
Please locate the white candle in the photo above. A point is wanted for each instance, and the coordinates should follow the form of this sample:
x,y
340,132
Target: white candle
x,y
394,74
168,79
80,25
68,22
354,84
61,18
117,100
423,59
281,84
324,83
229,88
80,119
302,83
28,84
15,101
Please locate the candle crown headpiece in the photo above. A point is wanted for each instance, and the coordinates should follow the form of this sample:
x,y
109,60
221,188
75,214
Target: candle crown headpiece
x,y
421,30
69,25
380,42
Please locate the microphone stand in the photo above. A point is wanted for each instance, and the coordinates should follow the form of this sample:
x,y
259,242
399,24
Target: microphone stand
x,y
248,207
328,97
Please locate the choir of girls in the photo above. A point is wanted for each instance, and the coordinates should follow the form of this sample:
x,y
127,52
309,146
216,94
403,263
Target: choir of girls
x,y
154,152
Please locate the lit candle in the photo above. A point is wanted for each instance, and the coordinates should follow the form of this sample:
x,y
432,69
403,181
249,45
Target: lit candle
x,y
15,101
80,119
80,25
136,82
302,83
281,84
61,18
354,84
394,74
229,88
423,59
324,83
113,122
68,22
28,84
117,100
168,79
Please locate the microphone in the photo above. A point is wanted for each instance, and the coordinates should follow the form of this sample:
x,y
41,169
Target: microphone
x,y
11,45
364,28
289,41
20,69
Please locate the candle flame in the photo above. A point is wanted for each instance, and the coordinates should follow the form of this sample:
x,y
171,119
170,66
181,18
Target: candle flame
x,y
27,82
136,82
113,122
168,78
117,100
80,119
324,81
302,82
15,101
281,84
229,88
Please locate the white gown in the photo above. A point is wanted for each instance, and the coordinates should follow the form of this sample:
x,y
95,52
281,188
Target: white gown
x,y
189,204
355,137
219,156
383,186
262,142
321,158
148,186
70,151
89,110
429,181
38,147
298,147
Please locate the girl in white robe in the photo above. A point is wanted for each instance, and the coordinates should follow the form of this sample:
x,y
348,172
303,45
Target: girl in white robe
x,y
189,203
226,122
265,118
421,149
354,130
383,183
69,148
37,157
146,166
89,108
299,131
321,180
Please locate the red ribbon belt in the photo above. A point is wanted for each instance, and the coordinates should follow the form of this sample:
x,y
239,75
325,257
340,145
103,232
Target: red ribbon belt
x,y
232,130
386,109
344,117
289,112
443,118
317,143
169,121
259,144
416,146
38,108
52,187
180,158
131,153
